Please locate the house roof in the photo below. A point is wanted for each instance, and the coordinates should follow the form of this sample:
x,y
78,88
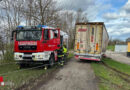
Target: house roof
x,y
91,23
128,40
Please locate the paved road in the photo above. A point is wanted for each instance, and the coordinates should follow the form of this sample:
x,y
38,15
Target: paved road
x,y
74,76
118,57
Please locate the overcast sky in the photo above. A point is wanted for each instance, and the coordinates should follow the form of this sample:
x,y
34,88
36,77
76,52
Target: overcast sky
x,y
115,14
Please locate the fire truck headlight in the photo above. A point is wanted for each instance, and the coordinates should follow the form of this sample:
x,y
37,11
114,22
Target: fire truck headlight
x,y
40,56
47,54
18,56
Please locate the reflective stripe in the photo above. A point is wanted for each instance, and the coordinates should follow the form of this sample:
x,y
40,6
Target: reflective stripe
x,y
60,55
65,50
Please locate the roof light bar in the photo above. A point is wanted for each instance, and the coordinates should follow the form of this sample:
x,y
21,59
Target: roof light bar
x,y
33,27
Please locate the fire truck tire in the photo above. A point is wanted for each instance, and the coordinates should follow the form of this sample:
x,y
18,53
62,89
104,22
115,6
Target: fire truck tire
x,y
51,60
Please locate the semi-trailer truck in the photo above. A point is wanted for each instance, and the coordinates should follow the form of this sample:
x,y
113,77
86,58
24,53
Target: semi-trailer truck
x,y
91,40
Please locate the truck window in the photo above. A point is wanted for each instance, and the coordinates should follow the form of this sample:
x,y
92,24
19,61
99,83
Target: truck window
x,y
61,40
51,34
55,34
28,35
46,34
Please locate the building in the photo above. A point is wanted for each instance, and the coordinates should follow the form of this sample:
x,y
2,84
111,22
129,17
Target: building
x,y
121,48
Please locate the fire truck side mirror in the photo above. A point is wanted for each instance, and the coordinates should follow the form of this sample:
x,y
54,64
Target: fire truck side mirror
x,y
12,37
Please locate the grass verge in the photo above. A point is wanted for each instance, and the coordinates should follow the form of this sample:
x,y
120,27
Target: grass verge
x,y
109,79
117,65
14,80
111,47
70,55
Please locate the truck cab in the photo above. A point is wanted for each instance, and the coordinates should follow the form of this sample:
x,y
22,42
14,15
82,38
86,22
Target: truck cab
x,y
36,44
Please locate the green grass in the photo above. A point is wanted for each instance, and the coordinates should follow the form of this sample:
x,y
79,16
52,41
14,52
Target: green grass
x,y
117,65
8,57
21,77
111,47
109,79
70,55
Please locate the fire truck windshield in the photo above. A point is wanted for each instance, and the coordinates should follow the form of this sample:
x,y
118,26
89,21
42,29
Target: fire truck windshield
x,y
28,35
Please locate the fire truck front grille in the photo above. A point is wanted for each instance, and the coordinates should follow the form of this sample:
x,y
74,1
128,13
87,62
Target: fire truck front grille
x,y
28,47
28,58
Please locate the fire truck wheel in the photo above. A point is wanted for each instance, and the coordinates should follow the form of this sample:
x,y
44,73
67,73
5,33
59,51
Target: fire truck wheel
x,y
51,61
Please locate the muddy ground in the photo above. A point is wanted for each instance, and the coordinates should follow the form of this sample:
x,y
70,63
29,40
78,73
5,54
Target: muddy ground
x,y
76,75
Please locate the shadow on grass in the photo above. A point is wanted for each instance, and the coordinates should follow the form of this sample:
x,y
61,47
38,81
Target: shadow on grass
x,y
37,66
88,61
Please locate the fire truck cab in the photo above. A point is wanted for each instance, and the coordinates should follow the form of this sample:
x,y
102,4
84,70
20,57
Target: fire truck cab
x,y
36,44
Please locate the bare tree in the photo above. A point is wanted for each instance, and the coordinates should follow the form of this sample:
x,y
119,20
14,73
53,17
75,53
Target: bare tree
x,y
33,12
68,19
10,15
40,12
1,44
81,16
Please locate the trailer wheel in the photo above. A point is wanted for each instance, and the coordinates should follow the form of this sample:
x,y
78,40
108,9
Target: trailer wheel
x,y
51,61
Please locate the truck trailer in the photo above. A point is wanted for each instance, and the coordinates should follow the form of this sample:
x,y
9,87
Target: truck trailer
x,y
38,44
91,40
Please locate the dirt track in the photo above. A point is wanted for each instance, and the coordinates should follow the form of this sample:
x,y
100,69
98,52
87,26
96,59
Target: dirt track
x,y
74,76
118,57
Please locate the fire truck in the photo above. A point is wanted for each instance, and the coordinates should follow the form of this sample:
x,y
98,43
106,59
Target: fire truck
x,y
37,44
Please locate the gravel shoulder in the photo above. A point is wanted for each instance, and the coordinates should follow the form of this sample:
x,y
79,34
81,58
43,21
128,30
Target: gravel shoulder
x,y
118,57
76,75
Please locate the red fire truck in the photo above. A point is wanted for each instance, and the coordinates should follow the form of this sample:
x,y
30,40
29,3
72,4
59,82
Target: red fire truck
x,y
36,44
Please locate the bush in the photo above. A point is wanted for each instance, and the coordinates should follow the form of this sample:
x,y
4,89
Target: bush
x,y
9,56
